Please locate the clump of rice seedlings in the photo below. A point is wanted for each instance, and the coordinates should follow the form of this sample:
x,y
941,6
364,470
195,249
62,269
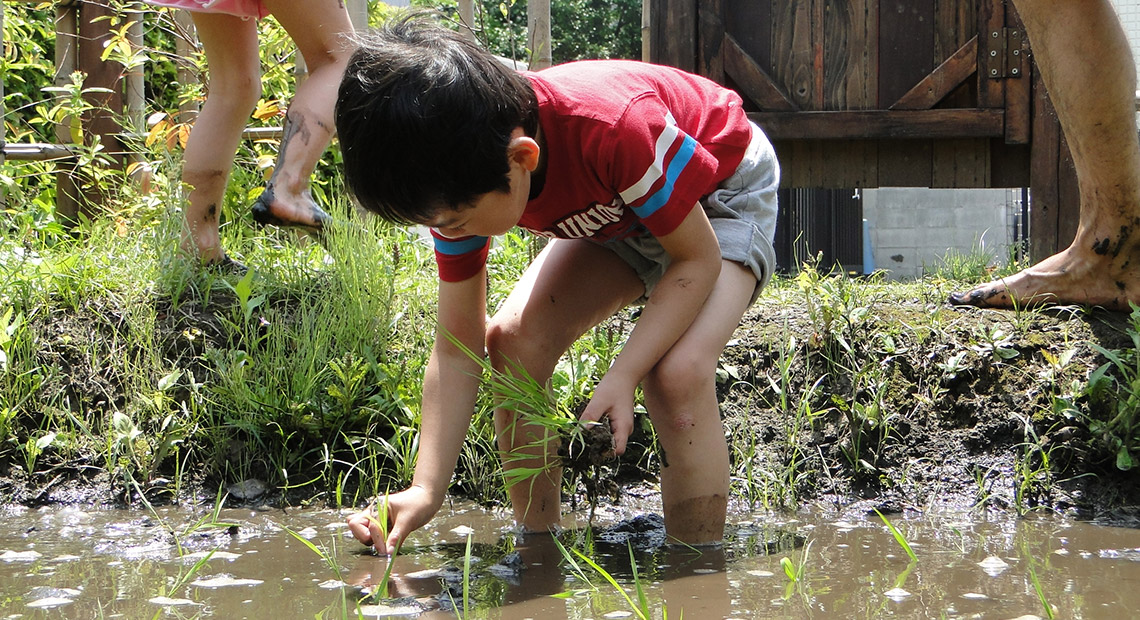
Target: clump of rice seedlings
x,y
579,448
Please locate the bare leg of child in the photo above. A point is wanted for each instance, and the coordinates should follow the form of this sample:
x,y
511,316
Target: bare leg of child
x,y
234,87
680,395
320,29
1087,66
548,309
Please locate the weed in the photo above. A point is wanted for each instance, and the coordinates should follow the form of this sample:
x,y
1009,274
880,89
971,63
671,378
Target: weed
x,y
995,344
1119,395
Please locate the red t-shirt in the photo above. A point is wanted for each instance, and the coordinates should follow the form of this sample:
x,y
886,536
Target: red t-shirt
x,y
630,147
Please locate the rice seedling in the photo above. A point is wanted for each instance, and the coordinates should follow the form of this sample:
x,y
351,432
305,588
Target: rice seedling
x,y
796,572
464,612
1040,591
640,607
899,537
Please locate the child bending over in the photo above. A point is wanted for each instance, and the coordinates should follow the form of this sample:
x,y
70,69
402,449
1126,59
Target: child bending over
x,y
652,186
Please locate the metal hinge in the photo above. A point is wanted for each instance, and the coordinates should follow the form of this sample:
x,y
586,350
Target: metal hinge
x,y
1005,54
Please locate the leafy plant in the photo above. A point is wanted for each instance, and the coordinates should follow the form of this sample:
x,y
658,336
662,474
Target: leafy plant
x,y
1119,395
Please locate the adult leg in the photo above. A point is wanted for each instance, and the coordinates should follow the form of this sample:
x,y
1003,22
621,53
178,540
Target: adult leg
x,y
234,87
1087,66
680,395
320,28
570,287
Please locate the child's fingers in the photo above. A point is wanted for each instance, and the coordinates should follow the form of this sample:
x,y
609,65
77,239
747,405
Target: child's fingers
x,y
393,542
621,429
361,526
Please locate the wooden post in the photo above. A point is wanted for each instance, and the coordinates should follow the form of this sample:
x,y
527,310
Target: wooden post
x,y
135,97
538,27
646,31
185,43
467,16
66,52
358,14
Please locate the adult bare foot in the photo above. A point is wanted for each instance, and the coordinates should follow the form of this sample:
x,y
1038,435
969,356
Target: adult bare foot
x,y
267,209
1077,275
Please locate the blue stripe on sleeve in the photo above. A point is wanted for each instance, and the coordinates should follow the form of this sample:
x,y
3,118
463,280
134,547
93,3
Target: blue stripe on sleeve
x,y
461,246
661,196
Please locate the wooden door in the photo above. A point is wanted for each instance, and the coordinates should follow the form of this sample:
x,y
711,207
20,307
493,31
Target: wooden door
x,y
878,93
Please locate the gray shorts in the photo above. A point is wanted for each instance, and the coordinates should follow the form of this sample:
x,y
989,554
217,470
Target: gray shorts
x,y
743,215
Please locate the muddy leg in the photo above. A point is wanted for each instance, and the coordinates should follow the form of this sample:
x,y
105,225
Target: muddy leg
x,y
320,29
1087,66
680,395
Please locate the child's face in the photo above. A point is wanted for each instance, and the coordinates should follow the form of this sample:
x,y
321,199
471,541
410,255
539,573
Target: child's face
x,y
493,213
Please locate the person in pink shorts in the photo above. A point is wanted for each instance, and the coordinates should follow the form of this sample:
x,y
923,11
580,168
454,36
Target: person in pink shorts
x,y
227,30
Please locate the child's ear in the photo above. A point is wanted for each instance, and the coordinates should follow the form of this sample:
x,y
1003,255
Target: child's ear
x,y
524,150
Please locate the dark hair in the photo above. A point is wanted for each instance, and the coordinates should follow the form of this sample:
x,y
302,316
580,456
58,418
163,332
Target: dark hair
x,y
424,117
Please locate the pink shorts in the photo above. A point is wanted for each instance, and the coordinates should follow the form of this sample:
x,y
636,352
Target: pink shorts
x,y
240,8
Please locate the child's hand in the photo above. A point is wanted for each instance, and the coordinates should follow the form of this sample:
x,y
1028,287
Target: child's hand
x,y
407,511
614,399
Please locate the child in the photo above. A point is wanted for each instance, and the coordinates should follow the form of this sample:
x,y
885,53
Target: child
x,y
609,160
227,30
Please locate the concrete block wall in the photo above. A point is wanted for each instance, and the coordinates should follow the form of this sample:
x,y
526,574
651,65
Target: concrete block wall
x,y
913,229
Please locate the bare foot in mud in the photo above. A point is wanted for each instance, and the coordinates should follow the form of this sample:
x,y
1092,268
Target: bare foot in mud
x,y
268,209
1100,275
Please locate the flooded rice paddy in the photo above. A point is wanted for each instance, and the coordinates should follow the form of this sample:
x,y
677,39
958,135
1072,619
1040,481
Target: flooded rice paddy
x,y
67,562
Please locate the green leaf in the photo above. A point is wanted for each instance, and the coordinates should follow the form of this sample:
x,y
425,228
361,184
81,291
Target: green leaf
x,y
789,568
1124,460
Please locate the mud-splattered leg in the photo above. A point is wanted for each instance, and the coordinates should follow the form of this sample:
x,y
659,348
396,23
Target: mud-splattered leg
x,y
1087,66
319,29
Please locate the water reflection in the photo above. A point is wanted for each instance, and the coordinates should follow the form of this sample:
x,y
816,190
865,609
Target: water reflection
x,y
67,562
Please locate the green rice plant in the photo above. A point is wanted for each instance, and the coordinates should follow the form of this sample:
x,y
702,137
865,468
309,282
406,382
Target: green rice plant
x,y
1049,613
464,612
640,607
899,537
534,405
796,571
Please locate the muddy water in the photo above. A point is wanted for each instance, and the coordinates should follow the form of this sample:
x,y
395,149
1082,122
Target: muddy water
x,y
74,563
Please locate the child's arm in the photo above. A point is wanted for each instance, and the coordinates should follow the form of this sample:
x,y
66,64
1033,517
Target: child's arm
x,y
671,308
450,386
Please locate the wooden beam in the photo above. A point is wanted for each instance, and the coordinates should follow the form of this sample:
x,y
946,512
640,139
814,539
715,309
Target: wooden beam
x,y
868,124
949,75
752,80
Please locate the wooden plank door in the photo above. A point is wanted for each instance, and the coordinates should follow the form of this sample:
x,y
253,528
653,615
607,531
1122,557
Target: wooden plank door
x,y
878,93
